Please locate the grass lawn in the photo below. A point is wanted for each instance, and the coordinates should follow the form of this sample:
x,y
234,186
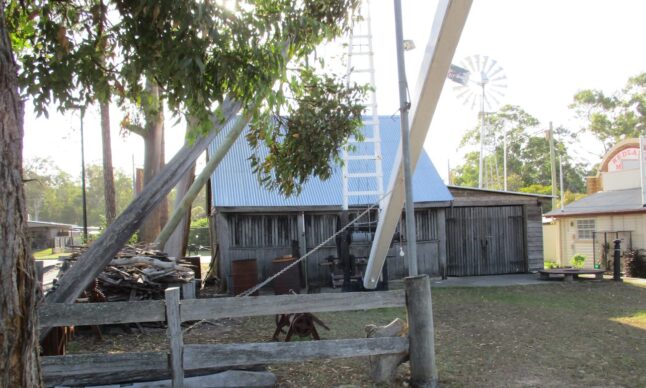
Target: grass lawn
x,y
577,335
46,254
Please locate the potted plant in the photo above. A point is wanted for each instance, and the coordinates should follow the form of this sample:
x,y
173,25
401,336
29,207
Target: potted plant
x,y
577,261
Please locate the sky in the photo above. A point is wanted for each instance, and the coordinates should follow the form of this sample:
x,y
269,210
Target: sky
x,y
548,49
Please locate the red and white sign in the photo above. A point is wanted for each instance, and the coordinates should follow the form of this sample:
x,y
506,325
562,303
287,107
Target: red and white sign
x,y
625,159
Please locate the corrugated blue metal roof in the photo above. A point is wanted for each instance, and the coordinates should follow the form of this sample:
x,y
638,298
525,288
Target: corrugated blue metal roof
x,y
235,185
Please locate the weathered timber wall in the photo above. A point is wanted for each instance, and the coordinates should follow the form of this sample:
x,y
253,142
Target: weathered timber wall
x,y
266,236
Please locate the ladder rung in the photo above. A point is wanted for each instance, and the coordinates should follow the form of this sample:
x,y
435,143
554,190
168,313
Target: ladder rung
x,y
363,175
362,157
365,140
357,193
362,53
361,71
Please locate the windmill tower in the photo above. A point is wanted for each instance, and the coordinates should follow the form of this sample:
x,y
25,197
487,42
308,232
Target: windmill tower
x,y
362,168
481,83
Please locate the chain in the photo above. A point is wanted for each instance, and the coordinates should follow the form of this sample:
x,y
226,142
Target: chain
x,y
268,280
282,271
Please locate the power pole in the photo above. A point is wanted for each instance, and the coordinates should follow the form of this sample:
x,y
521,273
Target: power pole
x,y
404,106
553,162
85,236
561,181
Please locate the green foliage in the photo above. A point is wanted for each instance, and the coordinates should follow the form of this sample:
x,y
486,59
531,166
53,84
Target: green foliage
x,y
322,115
528,155
200,53
199,237
550,264
577,260
635,263
54,195
200,223
615,117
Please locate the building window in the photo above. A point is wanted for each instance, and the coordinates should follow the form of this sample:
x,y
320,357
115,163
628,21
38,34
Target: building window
x,y
584,229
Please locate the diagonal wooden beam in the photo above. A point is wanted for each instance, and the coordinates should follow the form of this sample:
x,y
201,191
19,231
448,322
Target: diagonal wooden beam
x,y
450,17
92,262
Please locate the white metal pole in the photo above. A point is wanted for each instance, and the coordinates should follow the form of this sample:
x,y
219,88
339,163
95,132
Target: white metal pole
x,y
446,28
404,106
561,180
504,151
482,135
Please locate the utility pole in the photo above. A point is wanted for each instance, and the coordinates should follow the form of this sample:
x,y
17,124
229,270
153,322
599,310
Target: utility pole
x,y
561,181
504,163
404,106
83,179
482,135
553,162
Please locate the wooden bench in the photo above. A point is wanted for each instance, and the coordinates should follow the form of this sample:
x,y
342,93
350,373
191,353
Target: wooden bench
x,y
570,274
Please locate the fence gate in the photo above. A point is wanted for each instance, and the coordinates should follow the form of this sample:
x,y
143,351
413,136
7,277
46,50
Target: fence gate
x,y
485,240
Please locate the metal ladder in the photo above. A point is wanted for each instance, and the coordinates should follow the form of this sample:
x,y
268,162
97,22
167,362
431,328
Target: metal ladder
x,y
362,168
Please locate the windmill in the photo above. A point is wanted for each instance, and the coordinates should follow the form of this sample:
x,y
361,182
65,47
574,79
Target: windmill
x,y
480,82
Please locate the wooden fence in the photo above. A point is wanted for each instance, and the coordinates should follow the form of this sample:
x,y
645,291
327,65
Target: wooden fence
x,y
81,369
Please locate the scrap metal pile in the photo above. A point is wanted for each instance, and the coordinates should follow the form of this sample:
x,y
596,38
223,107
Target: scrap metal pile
x,y
137,273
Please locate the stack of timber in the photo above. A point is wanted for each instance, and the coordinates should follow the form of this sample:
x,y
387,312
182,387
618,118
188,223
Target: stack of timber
x,y
137,273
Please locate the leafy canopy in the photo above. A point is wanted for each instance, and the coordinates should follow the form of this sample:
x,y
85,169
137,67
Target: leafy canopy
x,y
528,155
615,117
199,53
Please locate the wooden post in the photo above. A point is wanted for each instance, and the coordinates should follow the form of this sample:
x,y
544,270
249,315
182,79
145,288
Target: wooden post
x,y
421,335
188,290
40,272
174,333
441,235
302,247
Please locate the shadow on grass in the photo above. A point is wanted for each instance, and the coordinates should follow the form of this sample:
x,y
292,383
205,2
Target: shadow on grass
x,y
565,335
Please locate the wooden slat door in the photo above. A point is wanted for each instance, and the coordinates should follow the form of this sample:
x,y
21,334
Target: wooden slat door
x,y
485,240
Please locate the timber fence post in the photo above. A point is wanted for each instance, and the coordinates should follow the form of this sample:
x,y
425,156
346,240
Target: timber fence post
x,y
174,333
421,335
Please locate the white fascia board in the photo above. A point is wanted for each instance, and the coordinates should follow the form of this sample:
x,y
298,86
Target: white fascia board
x,y
450,17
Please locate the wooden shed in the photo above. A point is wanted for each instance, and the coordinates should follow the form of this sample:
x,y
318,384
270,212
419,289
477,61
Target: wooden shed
x,y
493,232
254,223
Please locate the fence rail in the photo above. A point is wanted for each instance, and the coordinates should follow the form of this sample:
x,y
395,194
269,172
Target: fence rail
x,y
101,368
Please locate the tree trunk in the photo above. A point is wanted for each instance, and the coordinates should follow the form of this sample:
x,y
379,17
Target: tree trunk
x,y
178,240
19,361
108,172
153,160
102,251
182,205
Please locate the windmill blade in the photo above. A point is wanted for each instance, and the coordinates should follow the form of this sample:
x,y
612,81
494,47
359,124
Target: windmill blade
x,y
499,89
493,64
478,63
474,100
469,64
492,100
465,93
484,64
495,73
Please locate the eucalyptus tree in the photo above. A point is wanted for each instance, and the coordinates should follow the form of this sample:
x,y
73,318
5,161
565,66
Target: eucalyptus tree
x,y
611,118
527,149
209,62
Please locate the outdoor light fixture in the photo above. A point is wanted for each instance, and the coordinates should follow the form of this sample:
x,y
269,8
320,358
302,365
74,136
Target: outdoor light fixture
x,y
409,44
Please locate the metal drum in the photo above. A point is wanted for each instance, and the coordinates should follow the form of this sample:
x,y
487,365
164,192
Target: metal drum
x,y
244,274
290,279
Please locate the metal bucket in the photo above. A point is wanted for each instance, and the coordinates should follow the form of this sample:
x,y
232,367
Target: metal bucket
x,y
244,275
290,279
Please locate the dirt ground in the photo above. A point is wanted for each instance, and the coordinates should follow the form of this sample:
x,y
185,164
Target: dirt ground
x,y
585,334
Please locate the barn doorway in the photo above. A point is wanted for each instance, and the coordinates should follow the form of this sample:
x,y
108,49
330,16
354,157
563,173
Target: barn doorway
x,y
485,240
